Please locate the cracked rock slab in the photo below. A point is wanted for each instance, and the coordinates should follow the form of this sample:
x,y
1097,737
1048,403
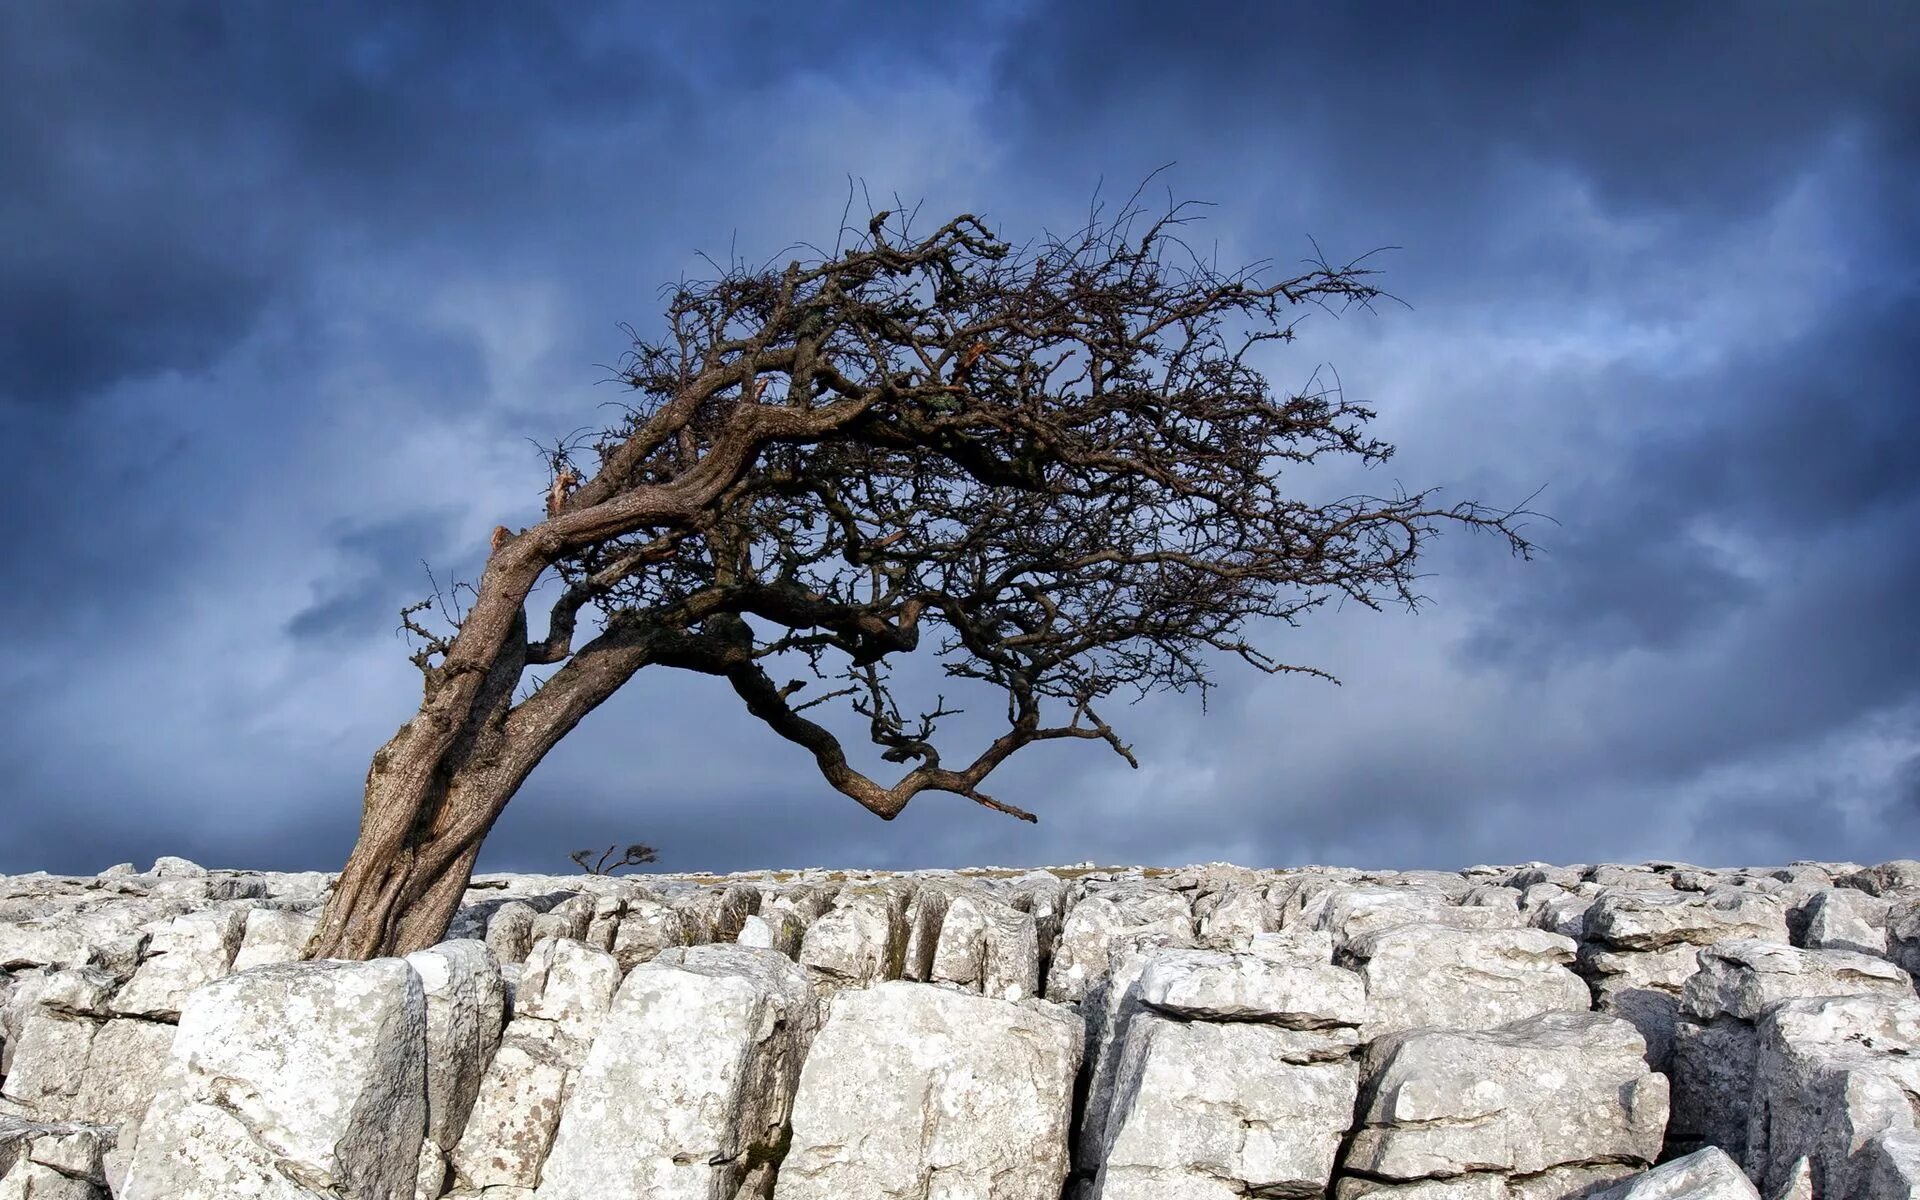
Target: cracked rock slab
x,y
1553,1090
916,1090
686,1091
1205,1110
289,1080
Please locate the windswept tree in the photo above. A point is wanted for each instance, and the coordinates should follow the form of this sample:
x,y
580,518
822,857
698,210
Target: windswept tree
x,y
1053,468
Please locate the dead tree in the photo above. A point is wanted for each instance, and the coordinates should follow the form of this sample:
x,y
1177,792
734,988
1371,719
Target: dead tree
x,y
1054,468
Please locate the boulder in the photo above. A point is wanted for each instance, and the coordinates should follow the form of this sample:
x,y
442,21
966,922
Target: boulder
x,y
1743,978
274,935
1638,920
563,995
1900,875
1830,1074
1703,1175
1554,1090
1715,1042
1349,912
190,950
1220,1110
916,1089
1217,985
687,1089
510,931
289,1080
1090,927
466,1012
646,928
860,941
1436,975
1843,919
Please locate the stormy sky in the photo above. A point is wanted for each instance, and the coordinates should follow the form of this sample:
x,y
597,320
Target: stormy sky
x,y
287,293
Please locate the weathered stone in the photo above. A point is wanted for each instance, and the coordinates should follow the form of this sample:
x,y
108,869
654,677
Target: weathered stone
x,y
1636,920
687,1089
1889,1167
647,928
290,1080
1218,985
1742,977
168,866
773,928
861,940
568,918
1703,1175
466,1013
1349,912
1229,918
1643,987
926,914
920,1090
53,1160
1220,1110
565,980
1903,934
1712,1076
1560,1088
1900,875
1830,1074
564,992
1843,919
274,935
1435,975
510,931
1091,926
189,951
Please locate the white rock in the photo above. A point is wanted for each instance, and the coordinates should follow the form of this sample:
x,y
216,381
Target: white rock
x,y
1743,977
1560,1088
466,1013
187,952
1220,1110
510,931
1217,985
274,935
773,928
687,1089
920,1090
861,940
1349,912
1845,919
569,983
647,928
169,867
1638,920
1435,975
289,1080
1703,1175
1830,1074
1091,926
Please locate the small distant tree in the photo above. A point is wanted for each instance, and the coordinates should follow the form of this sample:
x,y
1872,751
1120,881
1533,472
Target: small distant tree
x,y
636,855
1056,469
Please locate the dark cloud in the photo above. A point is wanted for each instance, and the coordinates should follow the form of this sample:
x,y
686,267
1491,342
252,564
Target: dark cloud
x,y
284,291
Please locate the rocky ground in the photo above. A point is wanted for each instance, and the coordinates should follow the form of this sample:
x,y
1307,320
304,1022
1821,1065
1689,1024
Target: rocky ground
x,y
1503,1033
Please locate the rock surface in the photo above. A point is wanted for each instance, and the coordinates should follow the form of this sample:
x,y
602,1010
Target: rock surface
x,y
1201,1032
915,1089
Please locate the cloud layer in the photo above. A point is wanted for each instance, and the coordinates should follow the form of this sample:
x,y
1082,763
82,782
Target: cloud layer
x,y
285,292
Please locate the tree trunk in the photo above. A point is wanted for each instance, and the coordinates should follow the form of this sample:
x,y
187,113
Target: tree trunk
x,y
427,810
430,799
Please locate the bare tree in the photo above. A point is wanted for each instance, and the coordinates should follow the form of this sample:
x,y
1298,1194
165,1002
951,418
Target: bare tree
x,y
1054,466
638,854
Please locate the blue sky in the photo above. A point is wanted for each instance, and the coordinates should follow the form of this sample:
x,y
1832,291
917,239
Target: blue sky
x,y
285,291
